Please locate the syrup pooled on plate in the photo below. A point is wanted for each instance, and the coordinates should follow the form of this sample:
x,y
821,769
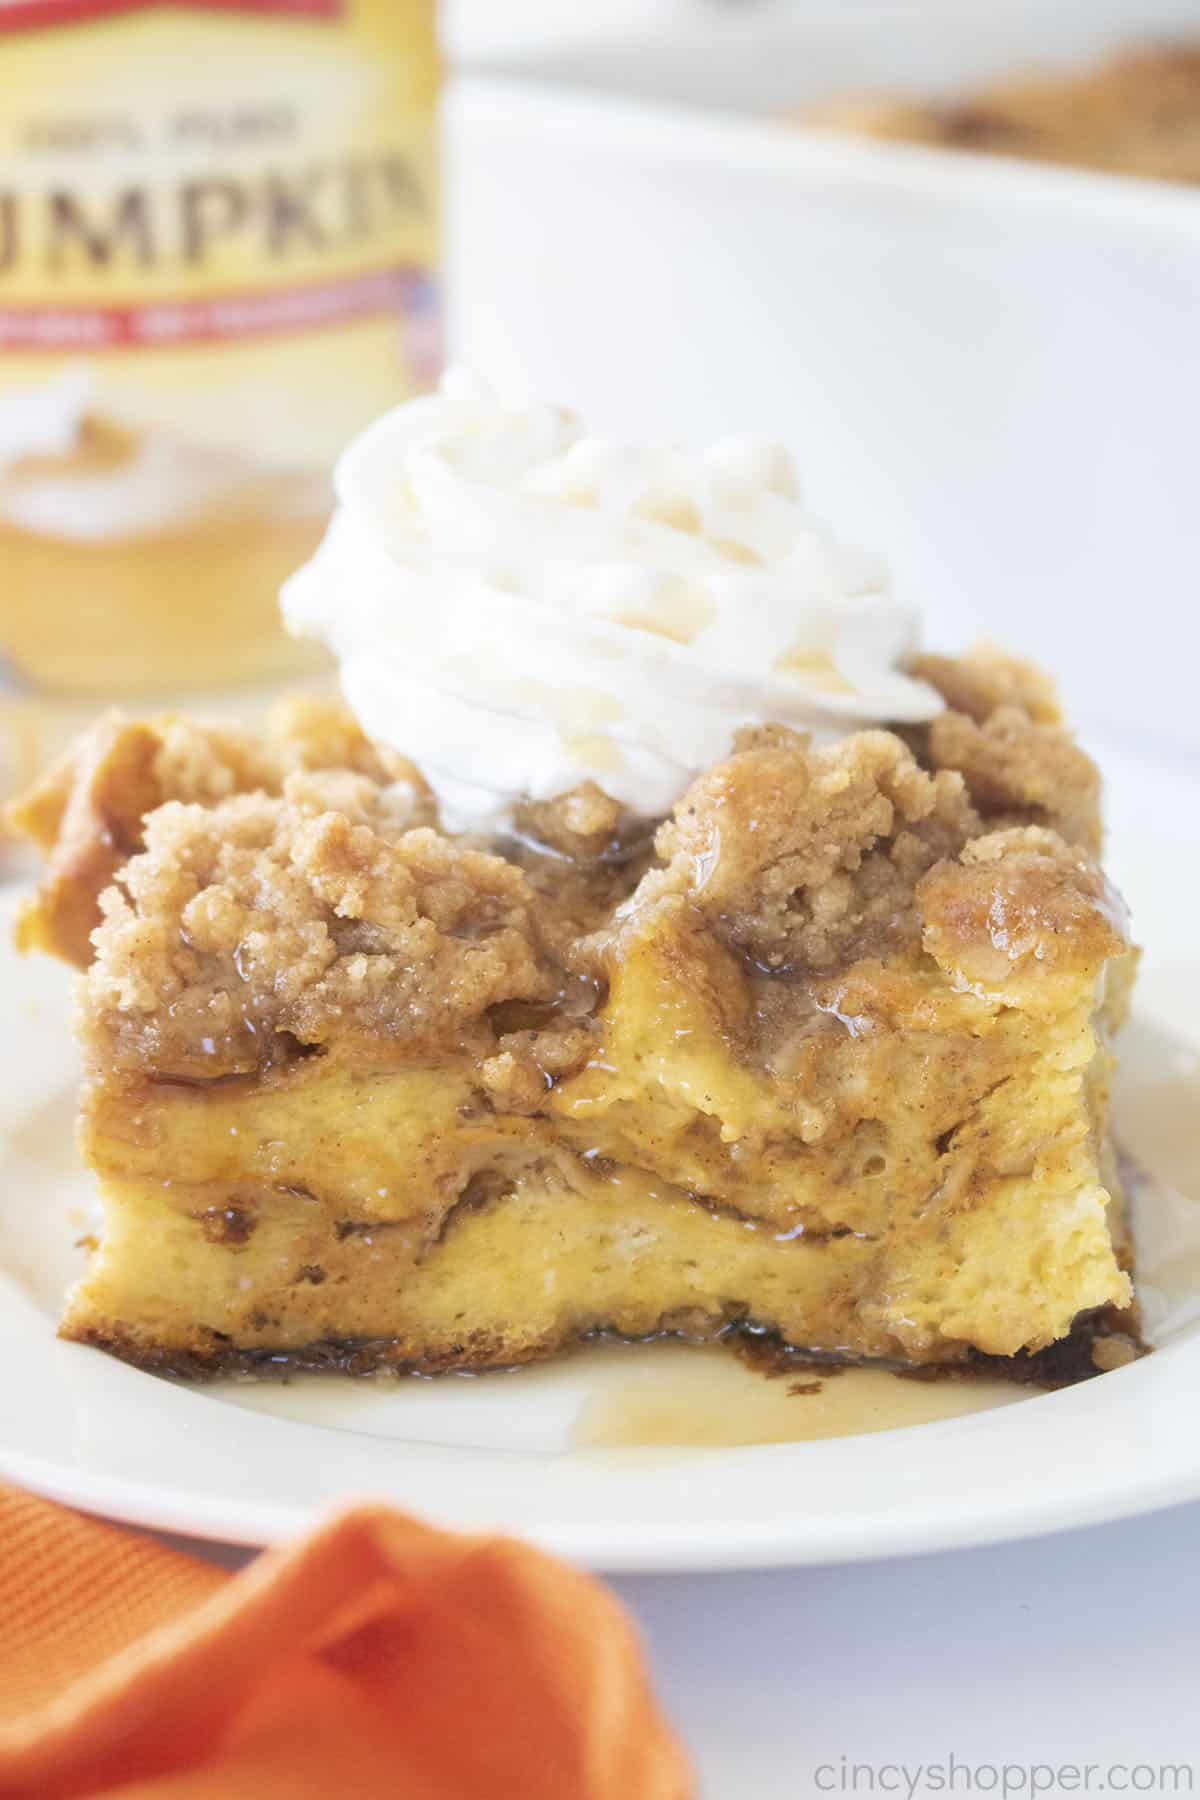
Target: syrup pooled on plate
x,y
691,1395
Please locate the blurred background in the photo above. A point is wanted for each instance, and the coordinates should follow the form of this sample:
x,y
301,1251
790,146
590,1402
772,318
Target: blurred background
x,y
753,53
949,253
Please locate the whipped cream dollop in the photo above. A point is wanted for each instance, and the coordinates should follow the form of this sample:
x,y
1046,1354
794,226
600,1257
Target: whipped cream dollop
x,y
521,607
57,478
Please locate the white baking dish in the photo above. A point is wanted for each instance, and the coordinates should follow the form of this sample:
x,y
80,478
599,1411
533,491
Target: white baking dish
x,y
989,370
753,55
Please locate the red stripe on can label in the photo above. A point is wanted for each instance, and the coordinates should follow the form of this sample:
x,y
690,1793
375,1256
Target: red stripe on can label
x,y
170,324
32,15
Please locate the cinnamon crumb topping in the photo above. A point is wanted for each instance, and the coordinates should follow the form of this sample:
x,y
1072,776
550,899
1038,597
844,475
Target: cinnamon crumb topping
x,y
1135,113
809,858
267,894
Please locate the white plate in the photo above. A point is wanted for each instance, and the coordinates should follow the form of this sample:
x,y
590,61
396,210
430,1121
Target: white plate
x,y
254,1463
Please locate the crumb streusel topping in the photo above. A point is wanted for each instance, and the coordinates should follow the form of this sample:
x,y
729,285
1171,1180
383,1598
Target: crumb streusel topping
x,y
273,895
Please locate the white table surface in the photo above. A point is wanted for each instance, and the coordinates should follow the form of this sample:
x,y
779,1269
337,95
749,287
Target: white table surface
x,y
1067,1650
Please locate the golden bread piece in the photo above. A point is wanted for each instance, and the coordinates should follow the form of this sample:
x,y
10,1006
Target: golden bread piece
x,y
826,1055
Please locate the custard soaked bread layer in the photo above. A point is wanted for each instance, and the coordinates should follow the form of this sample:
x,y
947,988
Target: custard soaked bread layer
x,y
827,1053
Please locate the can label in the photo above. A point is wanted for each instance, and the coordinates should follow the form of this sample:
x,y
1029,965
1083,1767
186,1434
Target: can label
x,y
224,209
217,248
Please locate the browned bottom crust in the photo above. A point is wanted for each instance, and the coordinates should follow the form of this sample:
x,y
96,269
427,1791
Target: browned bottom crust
x,y
1097,1342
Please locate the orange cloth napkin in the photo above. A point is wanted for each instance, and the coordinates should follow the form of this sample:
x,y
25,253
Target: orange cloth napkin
x,y
377,1659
